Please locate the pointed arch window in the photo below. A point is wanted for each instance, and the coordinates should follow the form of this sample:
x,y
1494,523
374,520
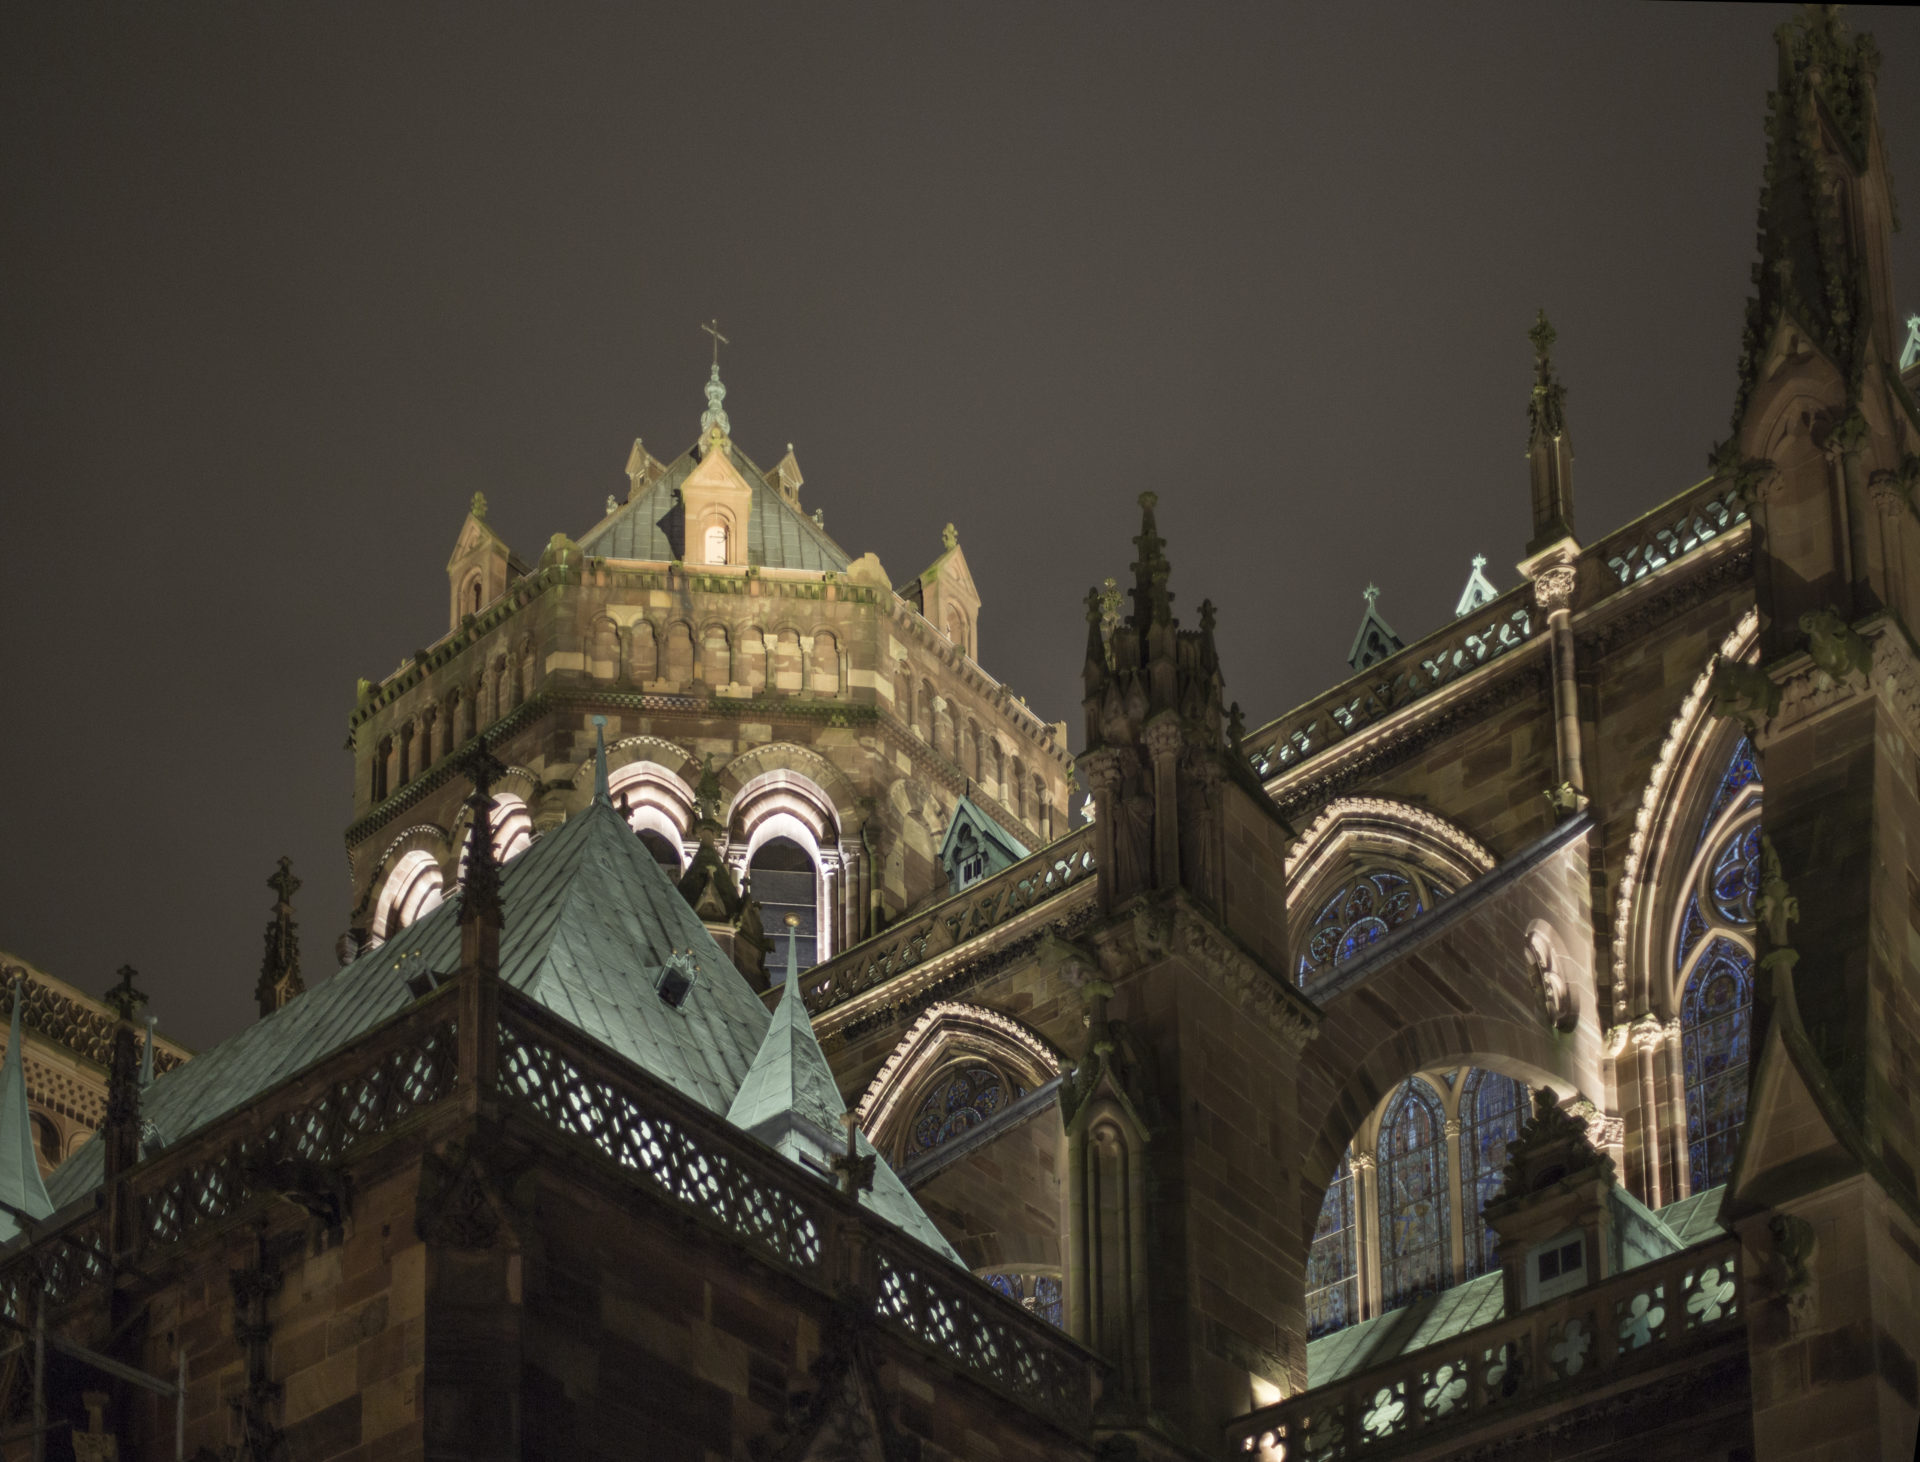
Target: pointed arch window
x,y
1713,966
784,879
1491,1109
1376,899
1416,1214
1333,1267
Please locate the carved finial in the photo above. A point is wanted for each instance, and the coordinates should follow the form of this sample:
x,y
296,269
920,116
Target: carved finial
x,y
715,416
280,977
1546,412
707,794
1152,604
950,537
123,997
478,507
1371,594
480,889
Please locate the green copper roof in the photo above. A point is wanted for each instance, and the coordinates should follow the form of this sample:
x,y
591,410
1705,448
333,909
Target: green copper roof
x,y
590,920
791,1102
652,527
20,1185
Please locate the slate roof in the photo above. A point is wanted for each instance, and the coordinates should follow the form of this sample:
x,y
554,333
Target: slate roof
x,y
20,1184
589,918
1479,1301
650,527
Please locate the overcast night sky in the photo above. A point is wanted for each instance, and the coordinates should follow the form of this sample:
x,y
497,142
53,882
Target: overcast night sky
x,y
284,286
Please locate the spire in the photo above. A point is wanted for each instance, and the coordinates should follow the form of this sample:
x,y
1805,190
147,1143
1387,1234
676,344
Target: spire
x,y
1152,604
280,967
1375,640
20,1184
789,1099
480,882
602,791
1478,591
713,421
1549,450
1826,207
121,1132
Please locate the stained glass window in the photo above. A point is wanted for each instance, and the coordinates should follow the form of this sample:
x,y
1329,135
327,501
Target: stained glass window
x,y
1713,959
1415,1218
1491,1107
963,1098
1715,1014
1333,1267
1376,900
1039,1293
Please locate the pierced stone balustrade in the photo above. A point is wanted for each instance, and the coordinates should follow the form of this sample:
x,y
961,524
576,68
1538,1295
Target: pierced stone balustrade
x,y
1013,891
1598,1338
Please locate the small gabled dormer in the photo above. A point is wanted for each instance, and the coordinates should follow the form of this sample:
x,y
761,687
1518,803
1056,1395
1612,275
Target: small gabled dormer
x,y
481,567
946,597
976,847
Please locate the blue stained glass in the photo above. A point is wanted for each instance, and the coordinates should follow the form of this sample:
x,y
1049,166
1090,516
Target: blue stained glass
x,y
1361,912
1415,1218
1041,1294
1715,1016
1333,1262
1491,1107
1741,771
1693,928
961,1101
1736,876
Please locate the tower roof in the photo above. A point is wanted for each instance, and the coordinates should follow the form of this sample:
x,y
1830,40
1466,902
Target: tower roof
x,y
651,526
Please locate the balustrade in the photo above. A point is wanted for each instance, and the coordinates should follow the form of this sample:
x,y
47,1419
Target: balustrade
x,y
985,906
1580,1340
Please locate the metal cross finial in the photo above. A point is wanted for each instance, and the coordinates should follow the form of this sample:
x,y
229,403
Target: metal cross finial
x,y
1479,560
712,327
283,883
123,997
1370,594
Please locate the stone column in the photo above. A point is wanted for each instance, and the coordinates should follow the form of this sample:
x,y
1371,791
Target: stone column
x,y
1162,739
1457,1227
1649,1035
1366,1224
1682,1168
1553,592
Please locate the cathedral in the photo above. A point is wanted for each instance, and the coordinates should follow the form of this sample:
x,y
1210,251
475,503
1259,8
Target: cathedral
x,y
759,1035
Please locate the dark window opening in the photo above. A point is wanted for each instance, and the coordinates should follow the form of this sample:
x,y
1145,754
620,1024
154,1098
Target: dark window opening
x,y
664,852
783,881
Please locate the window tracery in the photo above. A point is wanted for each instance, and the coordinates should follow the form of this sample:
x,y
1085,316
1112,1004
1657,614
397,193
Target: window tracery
x,y
1713,966
1491,1109
1415,1209
1041,1294
961,1099
1333,1269
1376,899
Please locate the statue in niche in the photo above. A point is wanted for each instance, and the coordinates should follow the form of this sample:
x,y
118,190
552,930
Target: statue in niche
x,y
1549,984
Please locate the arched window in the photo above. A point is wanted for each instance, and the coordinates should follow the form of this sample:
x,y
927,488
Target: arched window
x,y
472,595
960,1099
716,543
1375,899
1491,1109
1713,967
412,888
1333,1271
784,880
47,1138
664,852
1415,1212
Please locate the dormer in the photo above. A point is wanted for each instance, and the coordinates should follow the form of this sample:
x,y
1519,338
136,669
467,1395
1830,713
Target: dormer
x,y
786,477
718,503
481,567
976,847
945,596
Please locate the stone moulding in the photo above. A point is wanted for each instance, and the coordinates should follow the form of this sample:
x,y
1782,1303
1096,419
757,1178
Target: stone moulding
x,y
940,1025
1305,857
1681,731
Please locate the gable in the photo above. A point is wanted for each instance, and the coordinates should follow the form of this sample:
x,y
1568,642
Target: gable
x,y
976,846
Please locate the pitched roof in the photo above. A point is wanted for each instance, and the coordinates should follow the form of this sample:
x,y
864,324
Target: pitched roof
x,y
649,527
20,1185
791,1102
589,922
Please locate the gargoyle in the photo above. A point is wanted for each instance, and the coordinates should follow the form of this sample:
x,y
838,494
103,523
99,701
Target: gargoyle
x,y
1745,692
1836,648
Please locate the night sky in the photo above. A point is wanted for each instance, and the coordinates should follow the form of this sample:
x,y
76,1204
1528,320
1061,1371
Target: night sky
x,y
284,286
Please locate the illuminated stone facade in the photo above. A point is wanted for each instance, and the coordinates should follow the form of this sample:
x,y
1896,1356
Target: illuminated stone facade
x,y
1508,1052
